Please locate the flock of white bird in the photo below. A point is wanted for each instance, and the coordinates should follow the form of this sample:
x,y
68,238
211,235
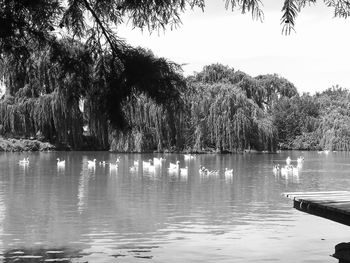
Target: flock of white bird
x,y
25,161
90,163
149,166
175,168
289,169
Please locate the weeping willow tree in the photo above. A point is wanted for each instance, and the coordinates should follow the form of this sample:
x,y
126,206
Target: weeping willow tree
x,y
42,95
232,111
209,116
153,127
139,77
225,119
47,89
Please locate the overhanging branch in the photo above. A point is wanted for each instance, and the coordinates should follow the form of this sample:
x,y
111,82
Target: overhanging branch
x,y
104,31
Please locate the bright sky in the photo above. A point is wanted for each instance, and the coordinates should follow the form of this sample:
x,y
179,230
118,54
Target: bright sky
x,y
314,58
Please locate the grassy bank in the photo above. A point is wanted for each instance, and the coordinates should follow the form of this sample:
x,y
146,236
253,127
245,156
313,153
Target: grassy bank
x,y
22,145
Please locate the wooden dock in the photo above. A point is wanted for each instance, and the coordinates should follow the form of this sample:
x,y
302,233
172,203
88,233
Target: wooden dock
x,y
332,205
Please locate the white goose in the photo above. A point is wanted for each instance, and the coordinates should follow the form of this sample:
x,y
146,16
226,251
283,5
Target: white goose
x,y
300,159
289,170
288,160
213,173
158,161
113,166
136,163
286,169
174,166
276,168
24,161
203,170
147,164
228,172
92,163
60,163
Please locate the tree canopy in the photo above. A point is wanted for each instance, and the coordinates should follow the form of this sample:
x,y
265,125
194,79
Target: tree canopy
x,y
96,21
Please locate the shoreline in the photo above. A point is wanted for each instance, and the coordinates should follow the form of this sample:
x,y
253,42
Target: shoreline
x,y
34,145
25,145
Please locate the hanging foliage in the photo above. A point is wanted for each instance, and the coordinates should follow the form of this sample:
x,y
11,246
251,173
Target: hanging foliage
x,y
153,127
42,95
142,103
117,83
225,119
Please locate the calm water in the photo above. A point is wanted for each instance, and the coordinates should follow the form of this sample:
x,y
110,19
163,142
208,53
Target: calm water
x,y
103,215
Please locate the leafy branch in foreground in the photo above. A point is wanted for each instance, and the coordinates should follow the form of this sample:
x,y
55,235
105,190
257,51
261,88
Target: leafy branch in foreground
x,y
41,21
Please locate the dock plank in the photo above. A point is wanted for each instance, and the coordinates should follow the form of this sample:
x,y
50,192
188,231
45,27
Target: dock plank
x,y
316,193
324,194
313,193
328,200
332,205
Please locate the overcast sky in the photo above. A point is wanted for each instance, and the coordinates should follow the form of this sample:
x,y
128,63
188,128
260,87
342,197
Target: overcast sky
x,y
314,58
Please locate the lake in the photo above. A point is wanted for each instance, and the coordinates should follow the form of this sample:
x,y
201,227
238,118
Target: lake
x,y
80,213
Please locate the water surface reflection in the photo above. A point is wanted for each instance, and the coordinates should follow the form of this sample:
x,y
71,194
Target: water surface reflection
x,y
129,212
